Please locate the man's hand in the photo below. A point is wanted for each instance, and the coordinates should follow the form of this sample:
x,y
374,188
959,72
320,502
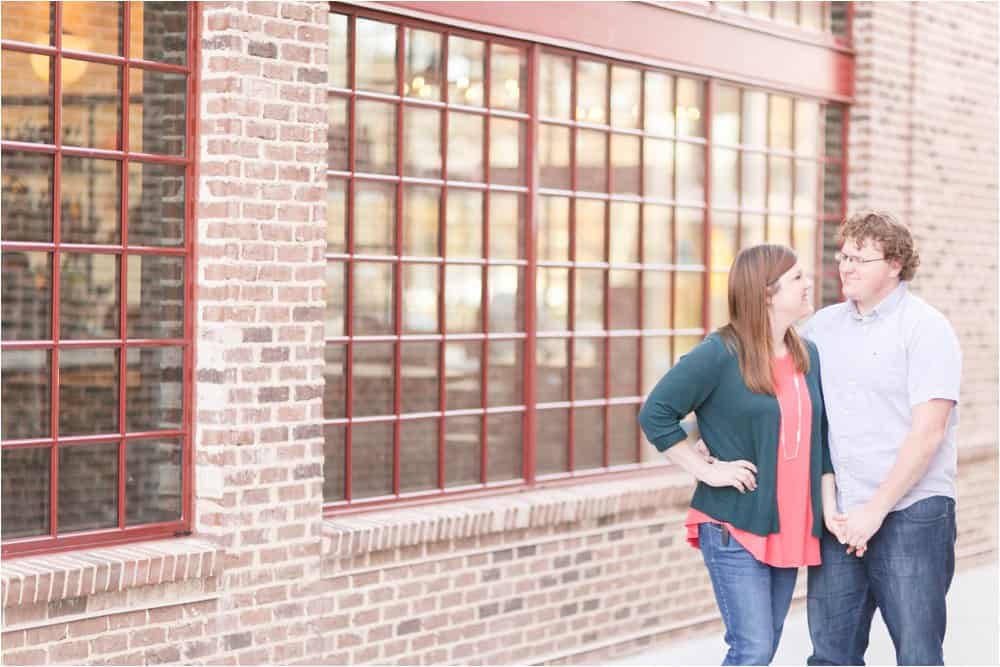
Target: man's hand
x,y
861,524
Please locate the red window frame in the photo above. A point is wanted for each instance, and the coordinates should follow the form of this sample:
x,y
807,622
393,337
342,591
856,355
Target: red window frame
x,y
54,541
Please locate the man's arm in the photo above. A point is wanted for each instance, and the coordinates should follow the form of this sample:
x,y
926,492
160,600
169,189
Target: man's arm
x,y
930,419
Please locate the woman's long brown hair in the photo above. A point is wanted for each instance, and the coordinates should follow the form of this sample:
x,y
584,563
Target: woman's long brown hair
x,y
752,280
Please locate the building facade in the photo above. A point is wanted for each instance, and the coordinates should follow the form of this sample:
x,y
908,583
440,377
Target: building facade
x,y
332,349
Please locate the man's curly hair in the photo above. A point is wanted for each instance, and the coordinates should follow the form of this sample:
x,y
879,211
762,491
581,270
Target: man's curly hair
x,y
892,235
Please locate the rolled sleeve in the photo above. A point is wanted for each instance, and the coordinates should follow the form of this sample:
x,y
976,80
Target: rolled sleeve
x,y
934,363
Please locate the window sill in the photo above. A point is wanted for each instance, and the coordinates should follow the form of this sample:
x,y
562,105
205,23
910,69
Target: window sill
x,y
56,588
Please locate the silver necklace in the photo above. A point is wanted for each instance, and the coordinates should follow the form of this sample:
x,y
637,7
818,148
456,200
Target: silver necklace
x,y
798,425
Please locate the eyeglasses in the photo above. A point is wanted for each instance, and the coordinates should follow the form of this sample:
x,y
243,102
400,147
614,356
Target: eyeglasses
x,y
854,260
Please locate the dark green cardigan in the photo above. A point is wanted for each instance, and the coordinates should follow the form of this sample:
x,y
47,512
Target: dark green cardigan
x,y
735,423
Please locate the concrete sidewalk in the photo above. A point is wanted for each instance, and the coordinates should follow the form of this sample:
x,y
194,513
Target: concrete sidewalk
x,y
971,639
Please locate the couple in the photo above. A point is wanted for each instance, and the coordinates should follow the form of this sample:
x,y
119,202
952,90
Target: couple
x,y
834,450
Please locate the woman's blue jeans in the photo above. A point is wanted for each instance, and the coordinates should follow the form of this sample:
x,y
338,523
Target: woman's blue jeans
x,y
752,596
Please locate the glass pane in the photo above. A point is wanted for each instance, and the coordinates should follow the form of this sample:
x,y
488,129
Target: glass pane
x,y
336,300
781,122
754,118
626,93
92,26
623,299
371,460
506,303
463,297
375,57
690,172
553,229
91,100
463,450
506,149
465,147
754,180
27,94
725,177
806,126
338,133
591,161
26,301
656,299
466,71
779,229
27,22
625,163
690,297
718,286
418,455
335,373
333,463
690,236
374,218
155,204
690,108
553,156
88,296
336,215
760,9
91,200
552,438
553,369
588,429
656,361
373,299
506,374
25,398
420,298
589,300
88,487
509,77
504,447
373,379
590,230
657,235
88,391
422,64
375,123
506,230
421,221
623,430
591,92
724,241
158,31
553,299
658,169
624,239
337,54
684,344
153,487
422,142
555,86
786,12
157,112
659,109
726,115
751,230
806,175
419,371
155,296
811,15
624,365
463,385
464,223
805,242
26,209
25,483
779,186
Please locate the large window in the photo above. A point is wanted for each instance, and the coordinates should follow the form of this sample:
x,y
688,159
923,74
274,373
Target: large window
x,y
523,239
96,262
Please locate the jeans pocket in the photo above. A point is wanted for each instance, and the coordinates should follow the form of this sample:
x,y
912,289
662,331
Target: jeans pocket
x,y
929,510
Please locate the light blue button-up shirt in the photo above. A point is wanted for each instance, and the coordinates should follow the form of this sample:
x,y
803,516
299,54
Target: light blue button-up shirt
x,y
875,368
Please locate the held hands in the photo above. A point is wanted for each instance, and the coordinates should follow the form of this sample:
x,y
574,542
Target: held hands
x,y
739,474
859,526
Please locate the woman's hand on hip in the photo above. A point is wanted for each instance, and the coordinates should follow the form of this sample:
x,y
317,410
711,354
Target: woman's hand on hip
x,y
742,475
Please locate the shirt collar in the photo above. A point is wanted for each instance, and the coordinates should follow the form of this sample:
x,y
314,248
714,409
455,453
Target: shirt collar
x,y
886,306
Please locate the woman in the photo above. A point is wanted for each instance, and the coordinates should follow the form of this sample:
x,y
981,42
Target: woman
x,y
757,512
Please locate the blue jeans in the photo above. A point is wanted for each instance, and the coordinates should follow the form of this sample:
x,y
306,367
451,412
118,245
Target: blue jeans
x,y
905,573
752,596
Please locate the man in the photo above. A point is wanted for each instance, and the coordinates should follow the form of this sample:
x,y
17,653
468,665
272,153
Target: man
x,y
890,367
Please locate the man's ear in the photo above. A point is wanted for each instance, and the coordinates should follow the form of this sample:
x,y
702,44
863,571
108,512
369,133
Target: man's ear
x,y
895,266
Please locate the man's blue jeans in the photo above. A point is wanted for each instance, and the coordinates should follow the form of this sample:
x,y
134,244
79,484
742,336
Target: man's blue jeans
x,y
753,597
905,573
